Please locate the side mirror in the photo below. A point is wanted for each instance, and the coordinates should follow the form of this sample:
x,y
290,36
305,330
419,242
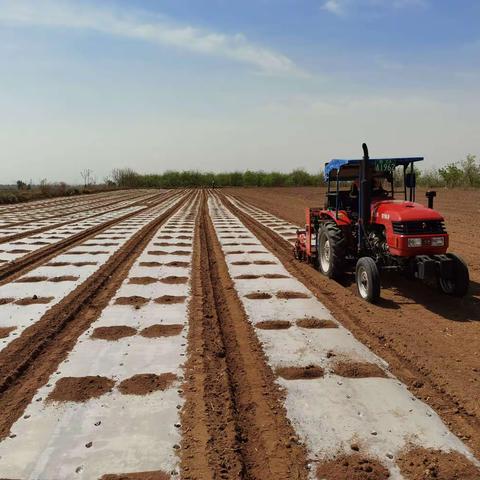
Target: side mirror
x,y
410,180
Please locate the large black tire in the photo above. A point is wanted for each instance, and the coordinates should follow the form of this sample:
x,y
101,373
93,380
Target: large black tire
x,y
331,250
367,278
459,284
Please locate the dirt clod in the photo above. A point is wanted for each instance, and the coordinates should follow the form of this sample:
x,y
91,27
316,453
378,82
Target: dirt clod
x,y
292,295
80,389
5,331
358,370
145,383
300,373
113,333
316,323
159,330
258,296
134,300
274,325
352,467
142,280
169,299
33,300
174,280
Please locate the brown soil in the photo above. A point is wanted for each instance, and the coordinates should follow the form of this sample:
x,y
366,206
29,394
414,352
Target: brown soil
x,y
358,370
113,333
352,467
264,262
142,280
86,252
234,423
292,295
63,278
258,296
422,464
166,237
298,373
168,299
412,319
80,389
150,264
162,330
248,277
184,237
177,264
316,323
145,383
5,331
157,252
33,300
83,264
157,475
274,275
173,280
4,301
241,263
30,279
135,300
273,325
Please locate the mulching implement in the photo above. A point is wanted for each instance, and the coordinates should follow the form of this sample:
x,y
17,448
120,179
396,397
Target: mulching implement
x,y
362,224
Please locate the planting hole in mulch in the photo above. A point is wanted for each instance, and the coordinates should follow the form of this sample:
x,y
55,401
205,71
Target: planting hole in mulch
x,y
4,301
63,278
83,264
352,467
159,330
156,475
425,464
300,373
292,295
358,370
247,277
31,279
134,300
180,252
142,280
165,237
150,264
18,250
231,244
256,251
80,389
274,325
157,252
113,333
34,300
264,262
5,331
145,383
176,263
241,263
184,237
274,275
95,252
316,323
258,296
174,280
39,243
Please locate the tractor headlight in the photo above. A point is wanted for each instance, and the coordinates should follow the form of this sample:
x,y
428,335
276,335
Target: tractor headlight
x,y
438,241
414,242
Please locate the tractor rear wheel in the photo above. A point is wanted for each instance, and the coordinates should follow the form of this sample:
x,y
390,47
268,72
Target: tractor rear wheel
x,y
331,247
367,277
460,281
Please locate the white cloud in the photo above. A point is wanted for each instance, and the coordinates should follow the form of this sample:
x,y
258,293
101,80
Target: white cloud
x,y
336,7
70,15
342,7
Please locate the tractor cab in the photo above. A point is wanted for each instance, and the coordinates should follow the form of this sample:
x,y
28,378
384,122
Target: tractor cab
x,y
370,217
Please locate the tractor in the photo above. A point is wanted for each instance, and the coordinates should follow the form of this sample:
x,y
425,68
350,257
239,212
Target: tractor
x,y
362,224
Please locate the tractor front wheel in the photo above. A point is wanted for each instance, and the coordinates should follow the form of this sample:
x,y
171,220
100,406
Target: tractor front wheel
x,y
367,277
331,250
459,282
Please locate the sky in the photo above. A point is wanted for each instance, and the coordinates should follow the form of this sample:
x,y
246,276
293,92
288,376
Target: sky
x,y
233,84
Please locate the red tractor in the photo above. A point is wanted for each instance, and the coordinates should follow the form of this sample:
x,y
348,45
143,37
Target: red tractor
x,y
363,224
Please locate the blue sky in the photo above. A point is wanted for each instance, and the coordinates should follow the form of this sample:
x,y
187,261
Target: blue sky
x,y
223,84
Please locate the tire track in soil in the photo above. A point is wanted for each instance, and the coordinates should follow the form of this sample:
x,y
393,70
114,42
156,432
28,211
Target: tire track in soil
x,y
27,363
234,422
461,422
19,267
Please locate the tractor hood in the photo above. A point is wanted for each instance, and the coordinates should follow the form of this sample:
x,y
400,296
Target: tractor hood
x,y
401,211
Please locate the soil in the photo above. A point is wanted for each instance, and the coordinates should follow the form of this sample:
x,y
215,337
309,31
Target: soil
x,y
300,373
292,295
174,280
31,279
150,264
80,389
428,339
63,278
358,370
142,280
113,333
33,300
273,325
169,299
134,300
161,330
4,301
316,323
352,467
177,264
157,475
258,296
421,464
5,331
145,383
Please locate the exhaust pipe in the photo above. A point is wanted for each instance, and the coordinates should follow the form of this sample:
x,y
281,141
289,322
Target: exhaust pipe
x,y
364,196
431,194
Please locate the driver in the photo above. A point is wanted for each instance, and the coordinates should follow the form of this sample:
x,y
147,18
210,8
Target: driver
x,y
377,188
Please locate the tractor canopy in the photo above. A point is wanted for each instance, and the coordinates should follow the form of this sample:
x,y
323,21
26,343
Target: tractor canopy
x,y
349,169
